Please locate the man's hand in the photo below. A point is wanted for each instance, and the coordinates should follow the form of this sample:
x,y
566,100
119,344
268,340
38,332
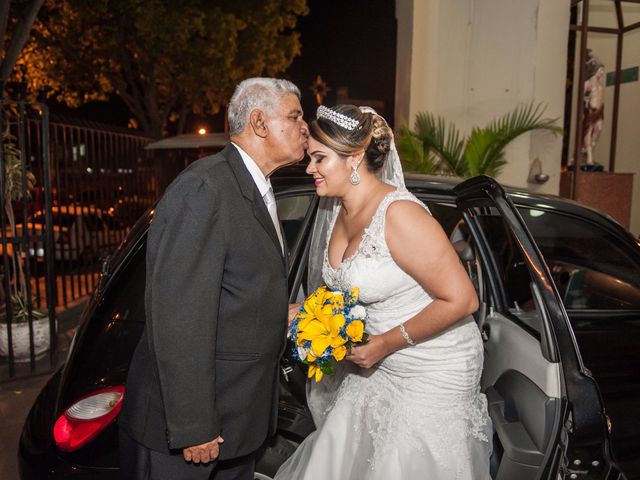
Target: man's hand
x,y
205,453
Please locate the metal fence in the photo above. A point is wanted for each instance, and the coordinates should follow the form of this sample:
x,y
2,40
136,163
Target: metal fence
x,y
78,187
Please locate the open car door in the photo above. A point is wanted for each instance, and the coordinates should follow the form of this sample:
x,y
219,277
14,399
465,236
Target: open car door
x,y
545,406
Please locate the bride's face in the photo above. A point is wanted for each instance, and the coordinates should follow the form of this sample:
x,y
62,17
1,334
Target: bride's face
x,y
330,171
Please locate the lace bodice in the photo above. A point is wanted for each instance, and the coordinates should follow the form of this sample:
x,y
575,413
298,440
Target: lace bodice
x,y
399,293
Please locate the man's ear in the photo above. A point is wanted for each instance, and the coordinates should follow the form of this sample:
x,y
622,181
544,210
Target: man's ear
x,y
258,122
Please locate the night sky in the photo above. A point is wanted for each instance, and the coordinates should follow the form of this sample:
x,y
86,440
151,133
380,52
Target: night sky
x,y
350,43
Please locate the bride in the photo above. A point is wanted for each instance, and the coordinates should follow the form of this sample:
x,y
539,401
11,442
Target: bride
x,y
406,405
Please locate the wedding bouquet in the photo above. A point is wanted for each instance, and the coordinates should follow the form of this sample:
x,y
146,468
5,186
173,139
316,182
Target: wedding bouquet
x,y
328,323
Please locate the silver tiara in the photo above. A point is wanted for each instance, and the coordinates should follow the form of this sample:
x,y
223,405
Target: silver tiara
x,y
339,119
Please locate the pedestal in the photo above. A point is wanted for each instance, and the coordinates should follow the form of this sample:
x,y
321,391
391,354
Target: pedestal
x,y
609,193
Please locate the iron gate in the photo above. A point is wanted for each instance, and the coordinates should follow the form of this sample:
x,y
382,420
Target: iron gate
x,y
27,312
78,187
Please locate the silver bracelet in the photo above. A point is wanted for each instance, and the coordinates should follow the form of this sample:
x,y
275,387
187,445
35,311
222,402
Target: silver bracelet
x,y
406,336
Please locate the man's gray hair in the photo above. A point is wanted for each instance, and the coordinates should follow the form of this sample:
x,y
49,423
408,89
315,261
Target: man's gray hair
x,y
259,92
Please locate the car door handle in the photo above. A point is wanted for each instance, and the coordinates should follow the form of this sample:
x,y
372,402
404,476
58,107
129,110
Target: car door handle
x,y
485,332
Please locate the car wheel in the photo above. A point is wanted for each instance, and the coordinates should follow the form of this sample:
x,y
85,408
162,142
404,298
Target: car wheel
x,y
273,454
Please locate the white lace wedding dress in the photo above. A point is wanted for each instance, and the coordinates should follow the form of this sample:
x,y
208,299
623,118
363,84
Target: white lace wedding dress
x,y
419,413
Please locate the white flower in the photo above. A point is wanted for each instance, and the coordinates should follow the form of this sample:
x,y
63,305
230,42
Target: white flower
x,y
358,312
302,352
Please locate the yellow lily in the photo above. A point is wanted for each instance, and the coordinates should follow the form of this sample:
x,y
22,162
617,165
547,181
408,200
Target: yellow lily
x,y
355,330
314,370
323,331
339,352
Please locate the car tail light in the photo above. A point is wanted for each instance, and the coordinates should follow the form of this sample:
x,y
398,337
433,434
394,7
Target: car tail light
x,y
86,418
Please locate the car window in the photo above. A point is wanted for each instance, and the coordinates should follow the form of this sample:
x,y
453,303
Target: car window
x,y
513,279
292,208
509,261
112,223
59,219
592,268
93,222
456,229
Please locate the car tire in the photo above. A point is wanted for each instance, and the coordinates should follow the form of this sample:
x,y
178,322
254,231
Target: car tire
x,y
273,454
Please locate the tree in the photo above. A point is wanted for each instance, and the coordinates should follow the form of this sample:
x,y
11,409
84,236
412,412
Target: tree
x,y
14,177
14,32
164,58
431,147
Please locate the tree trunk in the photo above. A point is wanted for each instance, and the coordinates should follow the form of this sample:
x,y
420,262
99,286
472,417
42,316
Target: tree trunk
x,y
19,38
4,21
182,119
20,285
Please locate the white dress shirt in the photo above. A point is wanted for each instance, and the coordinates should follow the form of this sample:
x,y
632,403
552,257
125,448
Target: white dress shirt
x,y
264,187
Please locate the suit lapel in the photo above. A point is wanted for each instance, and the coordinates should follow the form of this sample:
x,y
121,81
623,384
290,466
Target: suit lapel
x,y
251,193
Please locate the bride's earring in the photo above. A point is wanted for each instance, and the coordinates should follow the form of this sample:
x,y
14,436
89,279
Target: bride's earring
x,y
355,176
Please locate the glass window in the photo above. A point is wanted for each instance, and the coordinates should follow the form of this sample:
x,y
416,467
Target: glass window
x,y
507,256
456,229
60,219
291,211
514,276
592,268
93,223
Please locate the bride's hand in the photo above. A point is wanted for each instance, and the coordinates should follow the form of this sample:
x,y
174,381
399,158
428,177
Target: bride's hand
x,y
369,354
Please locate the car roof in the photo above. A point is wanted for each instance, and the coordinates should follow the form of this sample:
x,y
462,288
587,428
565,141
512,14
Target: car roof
x,y
420,183
292,179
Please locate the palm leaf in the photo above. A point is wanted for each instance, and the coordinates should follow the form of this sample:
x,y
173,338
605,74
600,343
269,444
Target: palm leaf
x,y
413,155
444,142
434,146
523,119
478,154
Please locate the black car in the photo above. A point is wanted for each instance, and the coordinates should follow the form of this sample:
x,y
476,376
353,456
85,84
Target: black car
x,y
559,286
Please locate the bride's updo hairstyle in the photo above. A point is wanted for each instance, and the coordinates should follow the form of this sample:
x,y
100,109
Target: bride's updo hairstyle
x,y
347,130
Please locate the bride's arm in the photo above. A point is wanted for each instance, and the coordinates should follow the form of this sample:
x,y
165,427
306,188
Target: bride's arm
x,y
421,248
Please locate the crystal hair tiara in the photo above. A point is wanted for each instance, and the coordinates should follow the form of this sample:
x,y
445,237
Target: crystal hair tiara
x,y
339,119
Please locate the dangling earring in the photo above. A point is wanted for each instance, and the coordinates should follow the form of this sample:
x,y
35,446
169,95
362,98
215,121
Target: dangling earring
x,y
355,176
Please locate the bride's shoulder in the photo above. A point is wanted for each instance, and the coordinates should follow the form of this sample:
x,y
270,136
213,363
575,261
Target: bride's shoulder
x,y
400,203
406,212
408,225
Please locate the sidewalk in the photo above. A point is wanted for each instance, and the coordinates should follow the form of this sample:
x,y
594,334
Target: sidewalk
x,y
17,396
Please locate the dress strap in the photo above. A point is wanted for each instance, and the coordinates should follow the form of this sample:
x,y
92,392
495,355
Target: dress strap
x,y
394,196
374,240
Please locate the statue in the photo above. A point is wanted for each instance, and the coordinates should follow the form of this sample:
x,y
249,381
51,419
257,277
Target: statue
x,y
593,109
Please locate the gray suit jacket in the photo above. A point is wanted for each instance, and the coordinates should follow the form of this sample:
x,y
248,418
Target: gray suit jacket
x,y
216,315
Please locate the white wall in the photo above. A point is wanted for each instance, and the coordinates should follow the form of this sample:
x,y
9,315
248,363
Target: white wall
x,y
602,14
474,60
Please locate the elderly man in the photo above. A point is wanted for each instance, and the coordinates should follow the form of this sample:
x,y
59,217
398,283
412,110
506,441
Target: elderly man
x,y
201,396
